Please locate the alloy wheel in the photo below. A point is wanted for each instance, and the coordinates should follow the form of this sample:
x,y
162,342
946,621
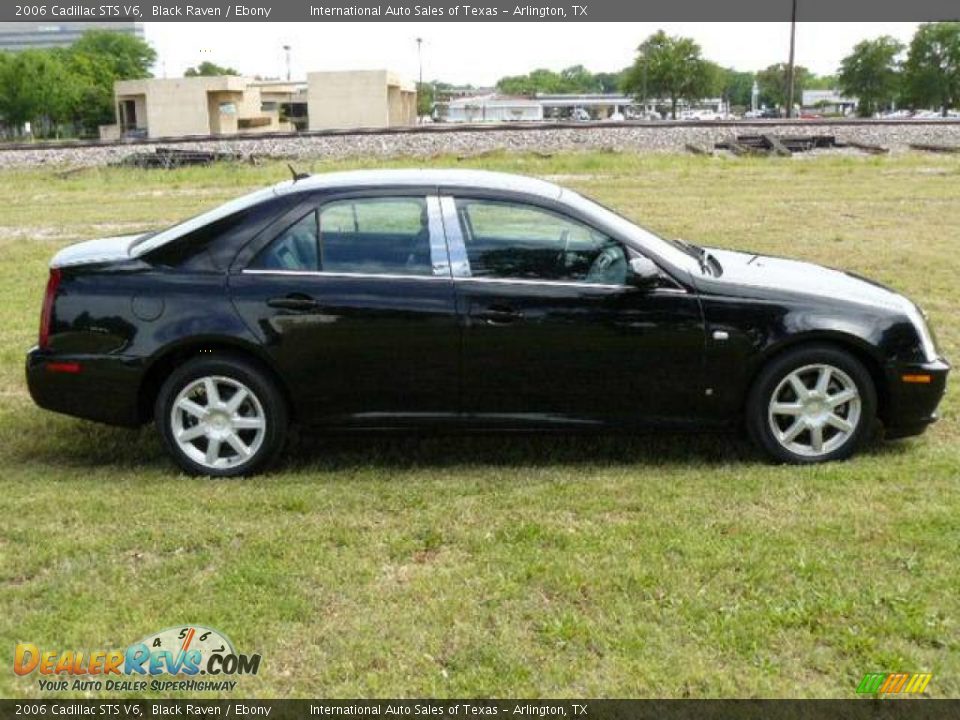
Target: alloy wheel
x,y
814,410
218,422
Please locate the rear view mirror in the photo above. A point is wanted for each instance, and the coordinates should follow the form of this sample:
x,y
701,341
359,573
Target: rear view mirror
x,y
643,272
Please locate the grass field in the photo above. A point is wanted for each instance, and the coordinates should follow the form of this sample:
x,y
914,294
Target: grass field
x,y
492,566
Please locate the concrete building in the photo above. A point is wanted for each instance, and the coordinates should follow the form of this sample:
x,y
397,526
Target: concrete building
x,y
224,105
359,98
52,34
230,105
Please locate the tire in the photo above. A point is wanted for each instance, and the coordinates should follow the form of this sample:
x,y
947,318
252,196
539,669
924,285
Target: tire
x,y
815,427
239,433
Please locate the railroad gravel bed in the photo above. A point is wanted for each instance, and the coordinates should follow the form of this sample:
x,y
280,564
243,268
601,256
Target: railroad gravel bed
x,y
468,142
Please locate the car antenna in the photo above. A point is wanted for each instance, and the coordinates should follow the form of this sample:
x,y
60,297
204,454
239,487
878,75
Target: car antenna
x,y
297,175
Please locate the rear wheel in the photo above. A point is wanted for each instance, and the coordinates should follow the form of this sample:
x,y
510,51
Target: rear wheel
x,y
812,404
221,416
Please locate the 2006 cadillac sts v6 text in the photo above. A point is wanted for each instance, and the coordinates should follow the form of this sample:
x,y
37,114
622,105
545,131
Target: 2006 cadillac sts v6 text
x,y
450,299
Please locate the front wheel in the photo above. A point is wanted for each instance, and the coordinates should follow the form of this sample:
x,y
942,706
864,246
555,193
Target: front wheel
x,y
221,416
812,404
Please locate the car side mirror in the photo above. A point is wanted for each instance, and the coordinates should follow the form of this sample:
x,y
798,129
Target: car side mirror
x,y
643,272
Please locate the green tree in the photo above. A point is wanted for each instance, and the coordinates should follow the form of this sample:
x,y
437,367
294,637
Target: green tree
x,y
36,88
610,82
772,83
129,57
670,67
871,73
735,87
932,70
209,69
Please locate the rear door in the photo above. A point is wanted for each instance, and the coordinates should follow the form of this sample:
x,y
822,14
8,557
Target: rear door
x,y
353,298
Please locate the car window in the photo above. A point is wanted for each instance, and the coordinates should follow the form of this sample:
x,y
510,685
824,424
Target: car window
x,y
376,235
516,241
294,249
363,235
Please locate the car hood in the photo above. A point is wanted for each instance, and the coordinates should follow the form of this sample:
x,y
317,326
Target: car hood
x,y
773,274
102,250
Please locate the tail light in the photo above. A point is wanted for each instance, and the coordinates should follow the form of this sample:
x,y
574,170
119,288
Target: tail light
x,y
46,315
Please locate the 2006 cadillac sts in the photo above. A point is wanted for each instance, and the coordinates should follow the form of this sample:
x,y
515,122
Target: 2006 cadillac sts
x,y
452,299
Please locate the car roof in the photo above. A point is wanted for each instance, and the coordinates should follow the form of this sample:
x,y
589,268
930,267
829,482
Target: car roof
x,y
350,179
474,179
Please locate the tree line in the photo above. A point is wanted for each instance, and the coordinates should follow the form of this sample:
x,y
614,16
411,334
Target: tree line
x,y
69,91
881,73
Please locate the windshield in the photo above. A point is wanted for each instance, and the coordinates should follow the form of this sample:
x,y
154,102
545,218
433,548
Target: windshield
x,y
681,254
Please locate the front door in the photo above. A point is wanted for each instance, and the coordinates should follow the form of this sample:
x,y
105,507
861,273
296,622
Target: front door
x,y
554,332
354,301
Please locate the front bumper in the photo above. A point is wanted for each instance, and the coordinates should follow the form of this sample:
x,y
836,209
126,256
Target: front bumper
x,y
911,406
101,388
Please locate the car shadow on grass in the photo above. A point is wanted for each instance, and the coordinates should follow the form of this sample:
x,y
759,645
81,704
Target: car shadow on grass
x,y
67,443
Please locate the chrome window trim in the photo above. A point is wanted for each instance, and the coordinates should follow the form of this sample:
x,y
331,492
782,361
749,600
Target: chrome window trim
x,y
324,273
564,283
439,254
459,262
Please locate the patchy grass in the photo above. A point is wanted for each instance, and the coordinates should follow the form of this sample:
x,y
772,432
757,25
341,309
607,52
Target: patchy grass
x,y
519,566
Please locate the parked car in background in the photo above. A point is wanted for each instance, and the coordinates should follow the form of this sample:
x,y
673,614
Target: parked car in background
x,y
453,300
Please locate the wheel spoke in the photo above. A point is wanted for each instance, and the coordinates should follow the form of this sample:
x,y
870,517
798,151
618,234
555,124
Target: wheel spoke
x,y
798,387
213,451
213,395
246,423
816,438
236,401
823,381
842,397
191,433
791,433
839,423
191,407
237,444
786,408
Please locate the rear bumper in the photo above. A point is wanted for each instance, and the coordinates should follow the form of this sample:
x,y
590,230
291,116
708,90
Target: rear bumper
x,y
911,406
101,388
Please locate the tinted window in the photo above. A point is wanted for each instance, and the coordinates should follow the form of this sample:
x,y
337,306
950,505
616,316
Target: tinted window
x,y
294,249
376,235
213,246
364,235
524,242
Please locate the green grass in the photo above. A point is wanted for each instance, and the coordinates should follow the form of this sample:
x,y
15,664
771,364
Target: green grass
x,y
519,566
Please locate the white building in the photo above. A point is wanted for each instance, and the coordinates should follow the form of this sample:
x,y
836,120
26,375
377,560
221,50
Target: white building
x,y
494,108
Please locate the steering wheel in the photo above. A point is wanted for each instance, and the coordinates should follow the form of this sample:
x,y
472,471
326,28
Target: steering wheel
x,y
604,263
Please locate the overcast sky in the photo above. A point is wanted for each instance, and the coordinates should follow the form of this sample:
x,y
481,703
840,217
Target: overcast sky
x,y
480,53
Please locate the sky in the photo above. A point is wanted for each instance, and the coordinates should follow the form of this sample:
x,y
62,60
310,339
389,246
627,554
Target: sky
x,y
480,53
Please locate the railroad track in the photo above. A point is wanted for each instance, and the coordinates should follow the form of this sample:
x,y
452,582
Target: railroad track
x,y
740,126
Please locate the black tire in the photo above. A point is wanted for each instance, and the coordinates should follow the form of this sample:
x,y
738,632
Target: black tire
x,y
777,371
264,400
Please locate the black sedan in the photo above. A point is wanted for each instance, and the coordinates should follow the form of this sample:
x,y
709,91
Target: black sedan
x,y
446,300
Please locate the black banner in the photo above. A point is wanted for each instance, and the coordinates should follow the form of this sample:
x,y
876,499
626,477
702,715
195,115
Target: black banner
x,y
120,709
475,10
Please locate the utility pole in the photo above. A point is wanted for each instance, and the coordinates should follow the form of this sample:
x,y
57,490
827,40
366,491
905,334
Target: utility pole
x,y
420,81
286,49
790,68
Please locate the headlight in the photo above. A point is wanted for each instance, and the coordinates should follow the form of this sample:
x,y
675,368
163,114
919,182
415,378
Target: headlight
x,y
918,318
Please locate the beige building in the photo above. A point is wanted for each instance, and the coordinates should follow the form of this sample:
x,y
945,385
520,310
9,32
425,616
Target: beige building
x,y
224,105
229,105
360,98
